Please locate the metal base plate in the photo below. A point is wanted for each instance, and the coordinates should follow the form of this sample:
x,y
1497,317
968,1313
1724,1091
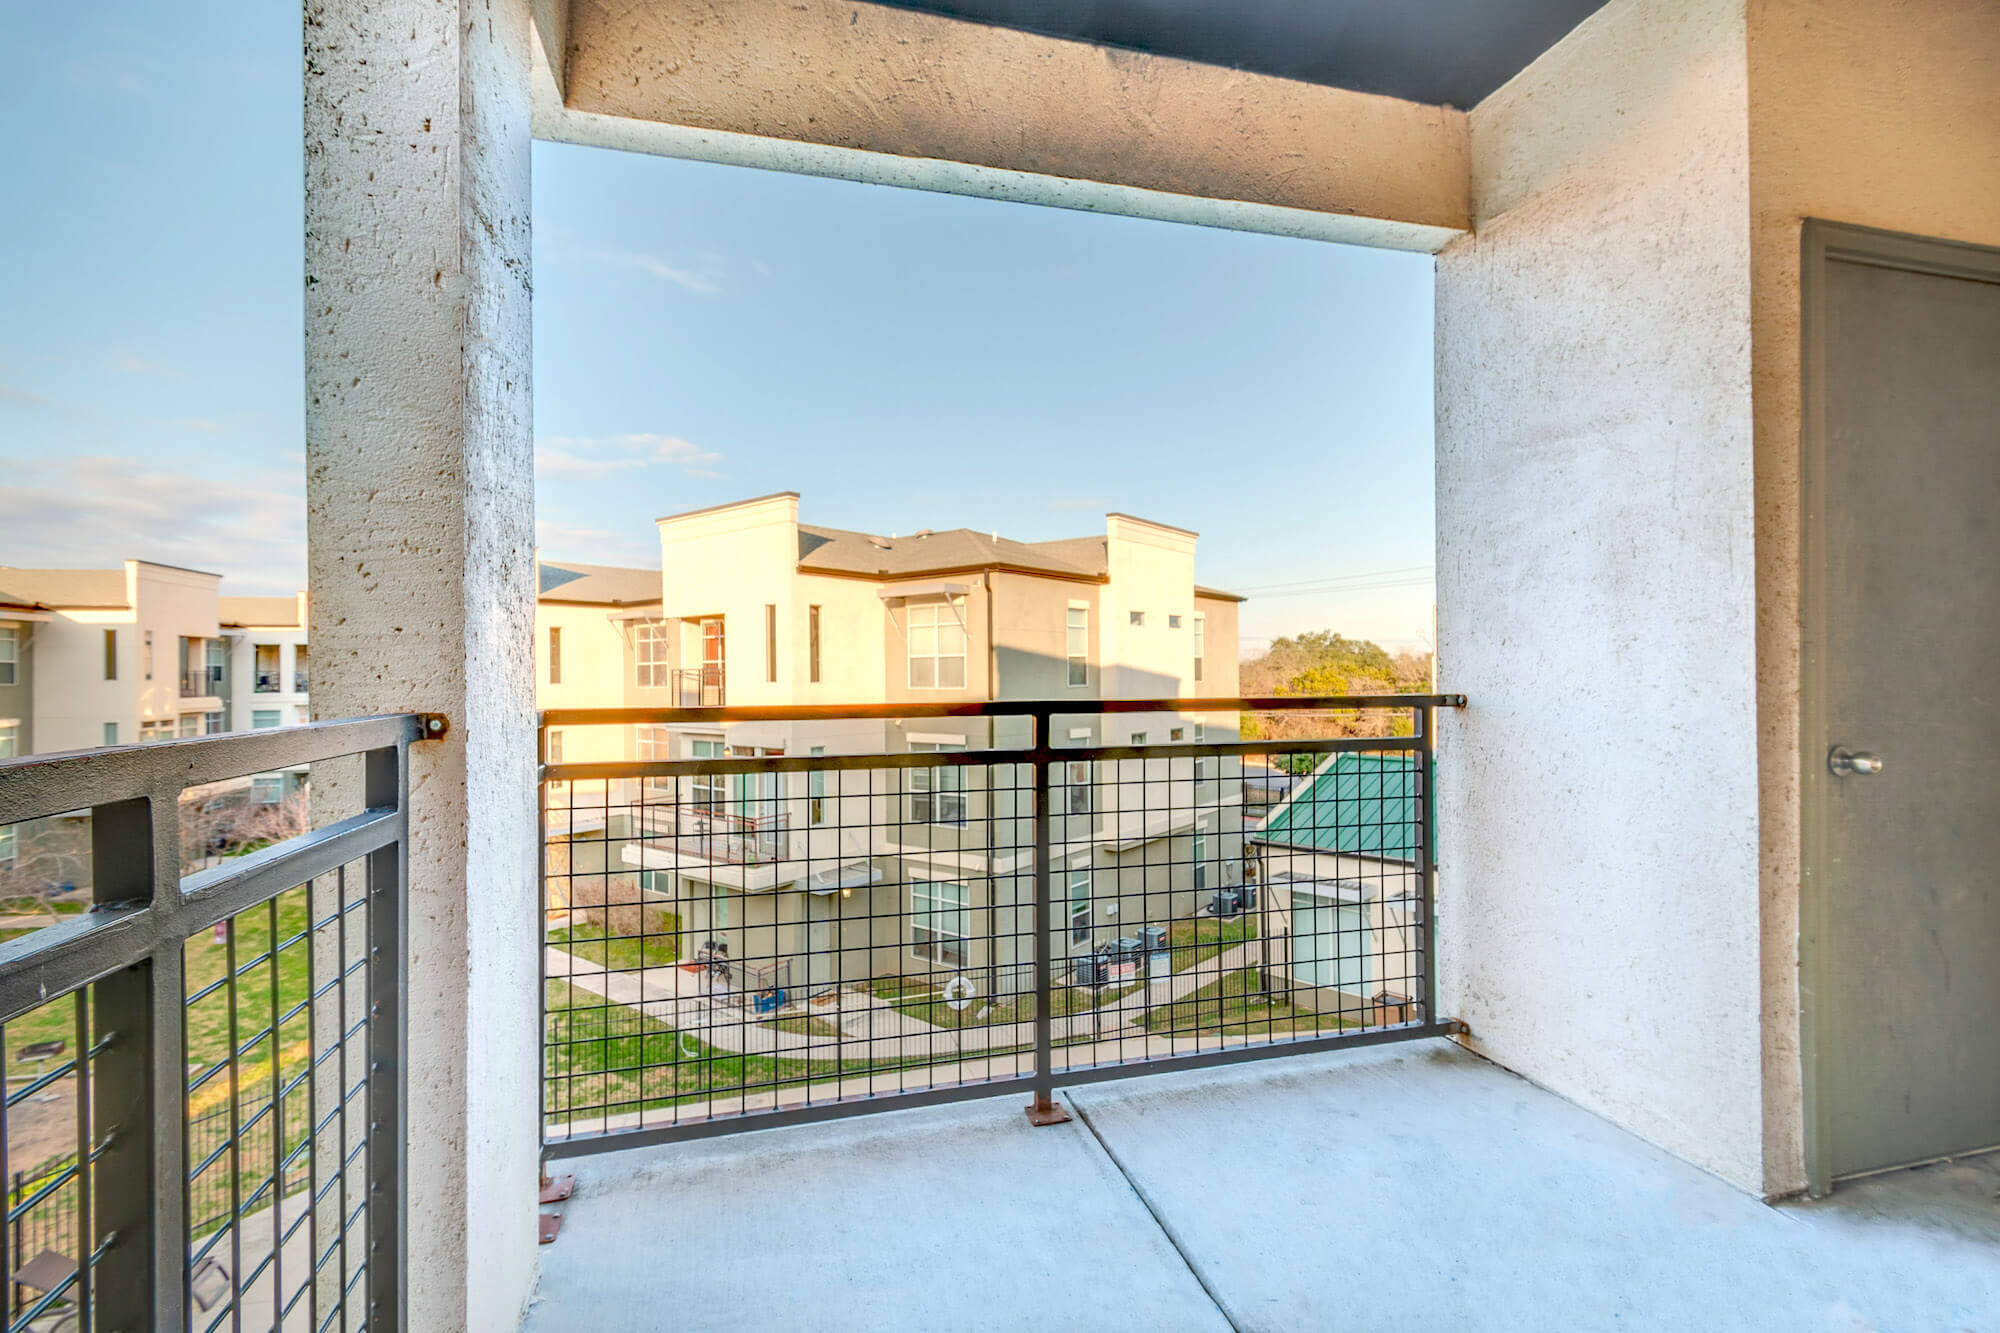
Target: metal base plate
x,y
557,1188
551,1223
1052,1113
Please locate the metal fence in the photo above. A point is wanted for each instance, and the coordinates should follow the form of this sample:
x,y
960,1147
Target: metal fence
x,y
956,900
225,1051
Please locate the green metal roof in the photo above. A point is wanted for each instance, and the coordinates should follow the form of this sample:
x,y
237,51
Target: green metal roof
x,y
1362,804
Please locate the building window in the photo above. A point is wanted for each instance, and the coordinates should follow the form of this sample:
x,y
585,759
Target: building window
x,y
937,795
146,661
708,789
267,788
770,643
1200,860
1173,622
1138,738
939,921
816,788
215,657
1077,643
190,726
153,732
268,670
111,733
10,654
1204,764
555,654
299,669
812,644
555,746
10,741
1138,618
718,907
111,656
1200,647
1079,904
937,645
266,717
1077,802
649,654
211,724
1177,734
656,744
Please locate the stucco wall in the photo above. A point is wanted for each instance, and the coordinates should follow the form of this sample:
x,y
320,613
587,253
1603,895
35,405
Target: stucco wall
x,y
1881,114
1598,822
875,92
420,526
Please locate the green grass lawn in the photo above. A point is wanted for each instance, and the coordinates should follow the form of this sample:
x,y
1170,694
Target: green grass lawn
x,y
1195,941
622,953
601,1058
1234,1006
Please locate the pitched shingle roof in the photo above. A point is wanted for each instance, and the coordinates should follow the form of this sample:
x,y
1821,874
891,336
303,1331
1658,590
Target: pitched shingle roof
x,y
838,551
596,585
62,587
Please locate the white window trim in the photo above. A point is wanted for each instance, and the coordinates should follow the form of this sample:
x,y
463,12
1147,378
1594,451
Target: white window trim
x,y
1070,659
954,603
962,909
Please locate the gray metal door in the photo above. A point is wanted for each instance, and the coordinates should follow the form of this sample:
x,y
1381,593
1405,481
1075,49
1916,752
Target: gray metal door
x,y
1902,722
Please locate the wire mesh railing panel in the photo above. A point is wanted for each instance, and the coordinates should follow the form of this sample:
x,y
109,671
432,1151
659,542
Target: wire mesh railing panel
x,y
770,914
832,944
277,1023
202,1125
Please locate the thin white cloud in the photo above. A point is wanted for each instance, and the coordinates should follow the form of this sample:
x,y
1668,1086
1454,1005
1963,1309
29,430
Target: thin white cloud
x,y
93,511
704,282
576,458
22,397
121,359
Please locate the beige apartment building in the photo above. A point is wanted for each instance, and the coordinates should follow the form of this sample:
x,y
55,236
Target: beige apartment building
x,y
844,874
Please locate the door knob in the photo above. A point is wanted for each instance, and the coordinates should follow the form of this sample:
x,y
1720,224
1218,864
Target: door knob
x,y
1845,763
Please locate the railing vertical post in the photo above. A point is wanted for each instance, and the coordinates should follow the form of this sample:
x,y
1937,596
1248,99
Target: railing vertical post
x,y
138,1185
1426,728
1043,1110
386,784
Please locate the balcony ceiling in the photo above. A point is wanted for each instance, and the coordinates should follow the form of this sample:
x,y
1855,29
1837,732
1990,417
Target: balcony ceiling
x,y
1450,52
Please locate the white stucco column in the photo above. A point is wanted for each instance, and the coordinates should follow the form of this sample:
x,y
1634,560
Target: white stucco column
x,y
420,491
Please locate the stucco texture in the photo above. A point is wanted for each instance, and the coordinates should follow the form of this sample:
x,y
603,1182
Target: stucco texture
x,y
1884,115
875,79
1598,916
420,513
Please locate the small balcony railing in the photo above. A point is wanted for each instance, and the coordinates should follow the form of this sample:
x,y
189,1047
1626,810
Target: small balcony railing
x,y
299,682
711,834
901,926
270,682
700,687
202,682
221,1052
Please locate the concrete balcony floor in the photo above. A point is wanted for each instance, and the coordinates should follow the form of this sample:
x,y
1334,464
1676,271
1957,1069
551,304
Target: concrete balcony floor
x,y
1410,1186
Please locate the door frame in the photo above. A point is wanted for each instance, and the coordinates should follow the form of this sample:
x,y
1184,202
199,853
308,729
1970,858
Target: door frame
x,y
1823,243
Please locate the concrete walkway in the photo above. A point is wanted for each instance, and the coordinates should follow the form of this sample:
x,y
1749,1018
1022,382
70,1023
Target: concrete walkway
x,y
870,1028
1411,1186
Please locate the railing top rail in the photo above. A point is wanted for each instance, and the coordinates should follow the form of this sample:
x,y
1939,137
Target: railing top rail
x,y
37,786
581,717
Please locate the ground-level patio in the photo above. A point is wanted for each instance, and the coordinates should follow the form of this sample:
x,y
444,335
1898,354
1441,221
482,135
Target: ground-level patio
x,y
1411,1186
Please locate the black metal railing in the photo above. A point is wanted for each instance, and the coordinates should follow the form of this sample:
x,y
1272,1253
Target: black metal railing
x,y
991,897
700,687
223,1050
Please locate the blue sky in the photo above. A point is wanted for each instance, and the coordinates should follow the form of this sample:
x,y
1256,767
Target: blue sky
x,y
703,334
